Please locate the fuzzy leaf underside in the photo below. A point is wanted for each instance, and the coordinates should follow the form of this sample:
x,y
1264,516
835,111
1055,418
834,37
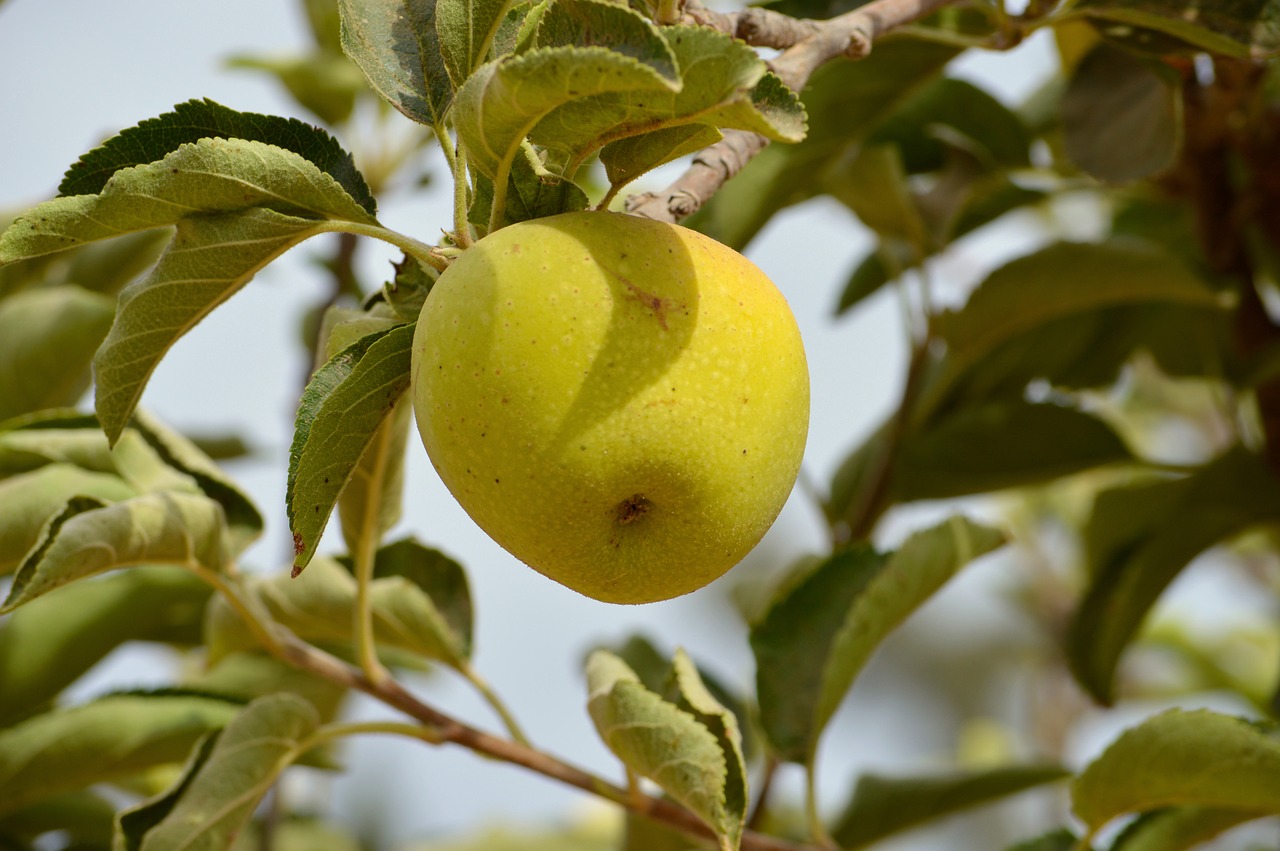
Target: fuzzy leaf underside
x,y
396,44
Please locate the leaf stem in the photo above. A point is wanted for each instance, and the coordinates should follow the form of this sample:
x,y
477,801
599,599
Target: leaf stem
x,y
366,556
418,250
817,831
495,702
329,732
457,160
259,624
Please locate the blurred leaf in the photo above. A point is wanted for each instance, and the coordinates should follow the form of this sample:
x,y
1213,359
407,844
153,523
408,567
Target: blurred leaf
x,y
325,83
1122,115
222,787
587,837
671,746
793,642
31,499
845,102
245,676
47,339
90,537
318,607
370,503
883,806
1230,27
503,100
108,739
395,44
1177,828
1181,758
997,446
296,834
642,834
1140,538
882,265
82,816
466,29
875,188
132,823
339,418
951,106
532,192
197,120
49,643
1058,840
919,568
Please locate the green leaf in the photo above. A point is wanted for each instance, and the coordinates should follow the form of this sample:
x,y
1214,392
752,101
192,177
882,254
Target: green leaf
x,y
325,83
1140,538
670,746
1177,828
318,607
1230,27
57,436
1058,840
880,198
466,29
1000,445
31,499
90,537
793,642
132,823
49,643
195,120
882,265
845,103
47,338
1025,297
921,566
108,739
626,159
503,100
297,834
246,676
85,818
642,834
340,415
1122,115
407,292
1181,758
883,806
395,44
224,782
726,85
532,193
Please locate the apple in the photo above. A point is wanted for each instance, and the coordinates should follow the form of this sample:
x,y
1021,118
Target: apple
x,y
620,403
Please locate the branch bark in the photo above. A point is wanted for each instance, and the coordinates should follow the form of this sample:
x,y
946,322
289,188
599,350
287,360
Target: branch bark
x,y
807,45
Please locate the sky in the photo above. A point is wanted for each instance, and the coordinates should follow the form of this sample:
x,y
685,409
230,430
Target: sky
x,y
75,71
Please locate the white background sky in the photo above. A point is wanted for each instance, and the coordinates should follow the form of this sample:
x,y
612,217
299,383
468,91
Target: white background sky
x,y
75,71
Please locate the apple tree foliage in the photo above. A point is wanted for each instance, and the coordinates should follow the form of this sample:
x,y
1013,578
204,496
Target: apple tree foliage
x,y
1049,384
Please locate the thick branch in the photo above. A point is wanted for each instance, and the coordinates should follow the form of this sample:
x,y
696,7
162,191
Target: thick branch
x,y
390,692
808,46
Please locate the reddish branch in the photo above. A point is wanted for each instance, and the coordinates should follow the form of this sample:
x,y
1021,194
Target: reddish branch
x,y
806,46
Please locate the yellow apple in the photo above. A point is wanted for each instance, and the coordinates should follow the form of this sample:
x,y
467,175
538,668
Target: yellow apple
x,y
620,403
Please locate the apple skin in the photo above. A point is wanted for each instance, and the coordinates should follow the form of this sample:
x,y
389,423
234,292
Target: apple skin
x,y
620,403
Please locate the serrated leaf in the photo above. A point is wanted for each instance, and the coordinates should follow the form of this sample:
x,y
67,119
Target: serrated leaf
x,y
921,566
1230,27
222,787
503,100
1122,115
626,159
466,29
194,120
341,411
1181,758
47,338
726,85
407,292
89,537
318,607
658,740
108,739
49,643
1177,828
83,817
395,44
31,499
882,806
793,642
1140,538
532,193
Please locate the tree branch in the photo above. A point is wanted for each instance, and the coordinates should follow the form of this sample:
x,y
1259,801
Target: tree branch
x,y
807,45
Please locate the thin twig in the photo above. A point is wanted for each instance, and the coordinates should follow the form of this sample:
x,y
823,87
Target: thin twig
x,y
850,35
